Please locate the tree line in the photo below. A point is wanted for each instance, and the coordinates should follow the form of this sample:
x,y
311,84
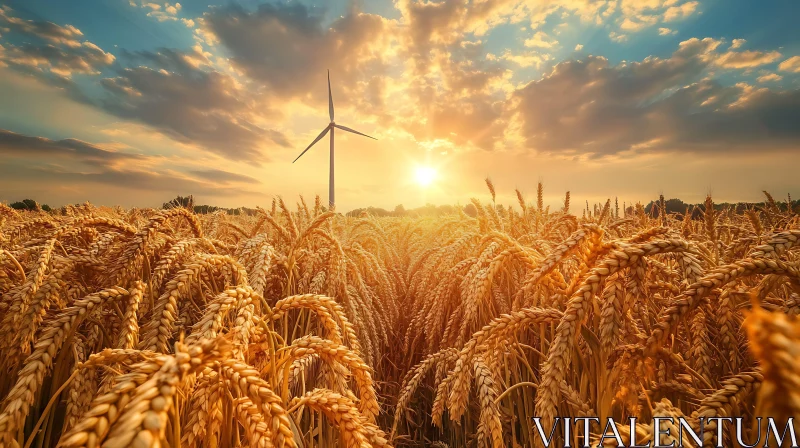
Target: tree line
x,y
672,206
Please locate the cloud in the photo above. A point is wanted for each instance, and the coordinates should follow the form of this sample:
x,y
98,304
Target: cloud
x,y
162,13
680,11
746,59
770,77
428,27
758,120
66,35
638,23
287,47
59,52
127,178
590,107
434,24
73,162
666,32
459,96
616,37
426,74
445,22
704,49
192,104
637,15
737,43
476,120
14,144
85,59
540,40
528,59
790,65
223,177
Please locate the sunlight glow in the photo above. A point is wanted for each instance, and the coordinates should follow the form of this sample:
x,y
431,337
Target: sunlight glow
x,y
425,175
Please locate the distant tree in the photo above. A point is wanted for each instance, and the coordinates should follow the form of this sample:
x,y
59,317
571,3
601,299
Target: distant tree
x,y
205,209
672,206
26,204
373,211
399,210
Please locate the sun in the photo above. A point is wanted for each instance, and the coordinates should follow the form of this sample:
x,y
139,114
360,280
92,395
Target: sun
x,y
425,175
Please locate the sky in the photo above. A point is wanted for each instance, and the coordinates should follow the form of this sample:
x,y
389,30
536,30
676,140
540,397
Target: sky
x,y
131,102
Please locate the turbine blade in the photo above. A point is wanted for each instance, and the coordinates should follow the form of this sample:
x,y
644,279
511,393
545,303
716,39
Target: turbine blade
x,y
344,128
319,137
330,97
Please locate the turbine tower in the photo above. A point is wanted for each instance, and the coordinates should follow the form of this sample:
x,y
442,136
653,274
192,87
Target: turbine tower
x,y
331,127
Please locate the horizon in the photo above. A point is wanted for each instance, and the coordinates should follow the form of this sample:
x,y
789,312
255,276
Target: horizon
x,y
515,203
128,102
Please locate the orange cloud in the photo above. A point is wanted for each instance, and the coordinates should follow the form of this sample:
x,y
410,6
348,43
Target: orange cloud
x,y
66,35
591,107
62,54
790,65
540,40
771,77
747,59
681,11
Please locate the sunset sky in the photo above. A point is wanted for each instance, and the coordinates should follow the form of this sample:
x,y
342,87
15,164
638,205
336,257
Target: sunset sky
x,y
130,102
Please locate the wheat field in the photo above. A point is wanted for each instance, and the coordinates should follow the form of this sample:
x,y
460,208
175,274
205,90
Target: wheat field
x,y
297,327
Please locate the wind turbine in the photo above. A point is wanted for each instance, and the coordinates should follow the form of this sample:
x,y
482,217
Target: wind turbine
x,y
331,127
